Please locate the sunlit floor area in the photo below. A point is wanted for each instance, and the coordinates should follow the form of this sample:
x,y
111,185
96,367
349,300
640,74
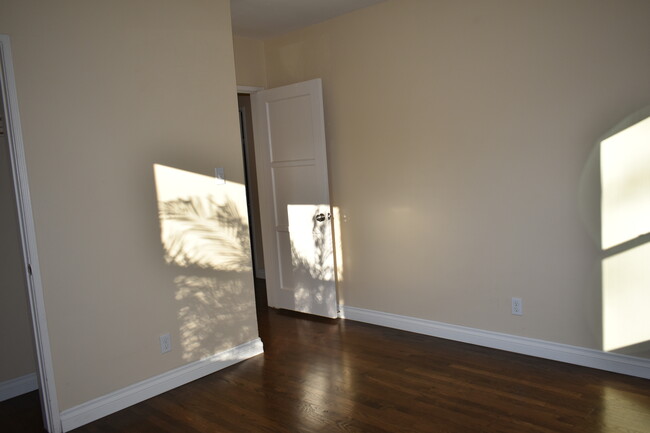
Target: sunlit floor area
x,y
321,375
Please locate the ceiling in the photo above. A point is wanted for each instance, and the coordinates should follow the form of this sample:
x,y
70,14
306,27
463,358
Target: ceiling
x,y
266,18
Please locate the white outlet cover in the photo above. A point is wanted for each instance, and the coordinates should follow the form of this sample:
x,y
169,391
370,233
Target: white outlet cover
x,y
165,343
517,307
219,175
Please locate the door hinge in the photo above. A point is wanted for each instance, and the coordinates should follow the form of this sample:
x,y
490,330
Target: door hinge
x,y
29,269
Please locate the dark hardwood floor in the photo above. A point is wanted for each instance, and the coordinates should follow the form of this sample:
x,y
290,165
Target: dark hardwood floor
x,y
320,375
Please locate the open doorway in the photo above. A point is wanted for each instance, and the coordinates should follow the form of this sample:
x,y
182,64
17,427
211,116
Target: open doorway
x,y
250,174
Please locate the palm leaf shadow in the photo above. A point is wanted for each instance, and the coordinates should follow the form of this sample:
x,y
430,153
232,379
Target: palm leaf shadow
x,y
201,232
320,267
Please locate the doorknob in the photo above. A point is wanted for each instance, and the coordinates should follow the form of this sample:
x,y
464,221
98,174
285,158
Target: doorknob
x,y
321,217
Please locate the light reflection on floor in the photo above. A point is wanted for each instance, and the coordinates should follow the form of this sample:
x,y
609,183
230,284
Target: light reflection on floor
x,y
623,411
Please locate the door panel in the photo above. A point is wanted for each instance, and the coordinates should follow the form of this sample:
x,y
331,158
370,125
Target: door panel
x,y
293,185
290,129
294,198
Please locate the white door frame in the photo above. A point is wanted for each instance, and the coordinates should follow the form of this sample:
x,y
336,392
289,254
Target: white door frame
x,y
47,390
248,89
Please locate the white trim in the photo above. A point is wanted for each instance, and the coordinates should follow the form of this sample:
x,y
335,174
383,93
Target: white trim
x,y
125,397
248,89
613,362
49,403
18,386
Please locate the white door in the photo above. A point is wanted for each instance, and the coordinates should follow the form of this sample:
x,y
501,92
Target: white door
x,y
295,208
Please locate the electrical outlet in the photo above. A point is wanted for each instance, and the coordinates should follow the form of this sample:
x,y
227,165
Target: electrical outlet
x,y
165,343
517,306
219,176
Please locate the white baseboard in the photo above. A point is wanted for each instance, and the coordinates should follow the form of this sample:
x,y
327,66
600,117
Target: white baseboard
x,y
18,386
125,397
629,365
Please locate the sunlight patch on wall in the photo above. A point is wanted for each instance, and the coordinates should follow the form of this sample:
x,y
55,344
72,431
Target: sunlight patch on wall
x,y
625,179
204,233
202,223
625,223
626,298
214,315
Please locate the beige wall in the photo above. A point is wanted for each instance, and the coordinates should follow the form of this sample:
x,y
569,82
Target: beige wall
x,y
457,134
249,62
107,90
15,327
